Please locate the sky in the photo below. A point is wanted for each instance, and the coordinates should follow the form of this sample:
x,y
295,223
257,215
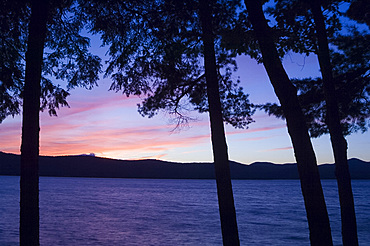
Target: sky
x,y
107,124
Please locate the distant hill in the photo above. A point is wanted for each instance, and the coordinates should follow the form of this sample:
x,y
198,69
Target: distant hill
x,y
90,166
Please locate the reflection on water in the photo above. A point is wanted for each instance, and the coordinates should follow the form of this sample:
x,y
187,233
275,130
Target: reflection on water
x,y
89,211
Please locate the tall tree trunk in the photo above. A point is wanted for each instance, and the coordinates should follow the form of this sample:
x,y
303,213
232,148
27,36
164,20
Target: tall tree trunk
x,y
29,181
221,160
338,142
317,215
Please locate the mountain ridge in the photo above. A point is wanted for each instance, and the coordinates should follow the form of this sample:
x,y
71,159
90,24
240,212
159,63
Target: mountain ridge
x,y
92,166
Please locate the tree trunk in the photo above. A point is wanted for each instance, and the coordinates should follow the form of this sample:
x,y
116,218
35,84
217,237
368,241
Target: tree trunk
x,y
317,215
29,181
221,160
338,142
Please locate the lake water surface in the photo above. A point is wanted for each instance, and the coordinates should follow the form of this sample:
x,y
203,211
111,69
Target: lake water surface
x,y
91,211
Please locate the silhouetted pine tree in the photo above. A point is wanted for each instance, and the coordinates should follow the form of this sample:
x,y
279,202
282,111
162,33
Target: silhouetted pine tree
x,y
317,216
338,142
34,25
338,103
29,182
220,155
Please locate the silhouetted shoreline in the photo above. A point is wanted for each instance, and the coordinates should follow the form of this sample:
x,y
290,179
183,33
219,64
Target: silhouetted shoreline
x,y
90,166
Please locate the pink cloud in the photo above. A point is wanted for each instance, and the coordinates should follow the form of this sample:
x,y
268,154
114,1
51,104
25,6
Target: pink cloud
x,y
253,130
10,136
107,124
279,149
83,104
266,128
85,139
256,138
151,157
63,136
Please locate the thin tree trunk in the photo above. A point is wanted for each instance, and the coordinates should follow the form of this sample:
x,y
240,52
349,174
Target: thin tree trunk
x,y
221,160
29,181
317,215
338,142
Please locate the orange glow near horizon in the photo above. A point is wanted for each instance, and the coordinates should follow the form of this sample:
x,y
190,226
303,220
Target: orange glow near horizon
x,y
108,125
76,132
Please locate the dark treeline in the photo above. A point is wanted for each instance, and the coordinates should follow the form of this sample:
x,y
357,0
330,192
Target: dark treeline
x,y
89,166
317,215
181,55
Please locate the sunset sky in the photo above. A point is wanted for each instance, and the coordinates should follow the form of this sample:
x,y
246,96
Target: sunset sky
x,y
107,124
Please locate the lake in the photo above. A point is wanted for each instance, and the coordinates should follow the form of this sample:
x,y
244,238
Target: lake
x,y
93,211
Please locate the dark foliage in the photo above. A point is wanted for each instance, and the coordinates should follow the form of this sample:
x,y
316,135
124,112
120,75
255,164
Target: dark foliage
x,y
66,56
13,36
359,10
294,27
155,50
350,60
